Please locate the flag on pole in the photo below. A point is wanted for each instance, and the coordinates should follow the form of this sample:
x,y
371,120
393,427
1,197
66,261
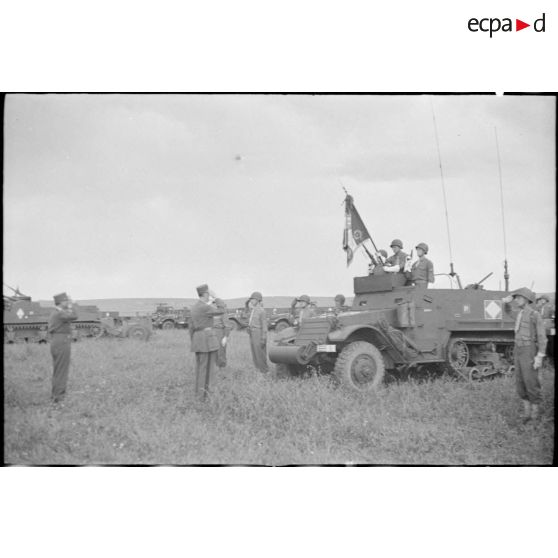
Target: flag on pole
x,y
355,232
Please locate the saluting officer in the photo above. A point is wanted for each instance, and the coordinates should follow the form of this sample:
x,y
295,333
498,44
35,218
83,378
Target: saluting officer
x,y
396,262
204,339
257,330
422,271
223,328
60,330
530,346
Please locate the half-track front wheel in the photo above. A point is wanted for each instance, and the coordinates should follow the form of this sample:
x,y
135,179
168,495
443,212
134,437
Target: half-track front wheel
x,y
360,366
168,324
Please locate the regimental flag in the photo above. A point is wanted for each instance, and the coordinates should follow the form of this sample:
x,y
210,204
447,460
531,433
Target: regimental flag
x,y
355,232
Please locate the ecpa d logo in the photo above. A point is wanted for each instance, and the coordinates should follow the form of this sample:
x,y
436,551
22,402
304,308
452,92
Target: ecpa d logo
x,y
492,25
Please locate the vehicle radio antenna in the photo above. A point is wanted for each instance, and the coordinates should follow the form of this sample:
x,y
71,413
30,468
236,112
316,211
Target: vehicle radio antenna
x,y
452,273
506,274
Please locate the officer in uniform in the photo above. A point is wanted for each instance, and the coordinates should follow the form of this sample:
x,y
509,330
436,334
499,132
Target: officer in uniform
x,y
204,340
302,308
223,329
59,328
257,330
340,304
422,271
530,346
396,262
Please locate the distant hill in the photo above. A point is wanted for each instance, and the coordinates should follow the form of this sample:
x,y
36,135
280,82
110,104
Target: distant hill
x,y
133,306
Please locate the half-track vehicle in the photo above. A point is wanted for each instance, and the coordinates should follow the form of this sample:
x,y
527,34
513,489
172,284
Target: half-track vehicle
x,y
168,317
401,329
27,321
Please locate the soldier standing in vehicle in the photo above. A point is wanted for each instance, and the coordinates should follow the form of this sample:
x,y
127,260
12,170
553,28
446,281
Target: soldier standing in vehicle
x,y
204,340
530,346
422,271
257,330
340,304
222,328
59,328
302,308
396,262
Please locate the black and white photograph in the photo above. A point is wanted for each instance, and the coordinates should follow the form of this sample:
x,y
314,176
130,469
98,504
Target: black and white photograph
x,y
279,279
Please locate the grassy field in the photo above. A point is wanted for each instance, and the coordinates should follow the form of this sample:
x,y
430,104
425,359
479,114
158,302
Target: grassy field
x,y
132,403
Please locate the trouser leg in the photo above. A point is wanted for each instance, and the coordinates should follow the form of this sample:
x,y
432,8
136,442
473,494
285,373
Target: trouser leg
x,y
201,368
61,353
519,383
259,353
211,366
531,388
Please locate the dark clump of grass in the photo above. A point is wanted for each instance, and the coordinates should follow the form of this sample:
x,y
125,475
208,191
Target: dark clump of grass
x,y
133,402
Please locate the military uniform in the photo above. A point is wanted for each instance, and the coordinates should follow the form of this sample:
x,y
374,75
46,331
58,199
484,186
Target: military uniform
x,y
422,272
305,313
399,259
222,329
60,330
257,330
204,343
530,337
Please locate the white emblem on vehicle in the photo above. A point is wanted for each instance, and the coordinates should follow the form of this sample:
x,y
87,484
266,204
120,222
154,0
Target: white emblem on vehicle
x,y
492,309
20,313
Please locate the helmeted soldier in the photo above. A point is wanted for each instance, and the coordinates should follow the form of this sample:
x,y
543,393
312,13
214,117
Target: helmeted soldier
x,y
530,346
203,338
302,309
422,271
257,330
223,328
396,262
60,330
340,304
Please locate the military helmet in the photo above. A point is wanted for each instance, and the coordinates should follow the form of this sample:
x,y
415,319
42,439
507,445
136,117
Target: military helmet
x,y
340,298
423,246
396,242
256,296
525,293
304,298
542,297
383,253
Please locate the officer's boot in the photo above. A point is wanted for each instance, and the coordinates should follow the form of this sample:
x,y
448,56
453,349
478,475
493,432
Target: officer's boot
x,y
534,412
526,415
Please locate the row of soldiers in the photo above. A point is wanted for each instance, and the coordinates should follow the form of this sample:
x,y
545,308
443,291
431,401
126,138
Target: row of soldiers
x,y
419,273
210,328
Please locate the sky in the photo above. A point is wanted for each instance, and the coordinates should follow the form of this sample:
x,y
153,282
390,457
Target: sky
x,y
112,196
